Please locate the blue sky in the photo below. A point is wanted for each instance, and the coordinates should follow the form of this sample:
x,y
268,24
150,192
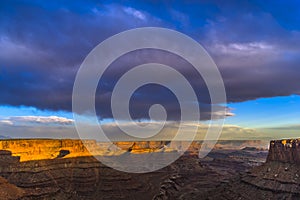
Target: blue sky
x,y
255,45
266,112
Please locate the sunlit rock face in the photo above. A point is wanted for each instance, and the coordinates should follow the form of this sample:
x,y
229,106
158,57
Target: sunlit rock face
x,y
287,151
39,149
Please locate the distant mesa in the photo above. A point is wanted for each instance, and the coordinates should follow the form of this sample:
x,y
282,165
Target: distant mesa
x,y
41,149
250,149
142,146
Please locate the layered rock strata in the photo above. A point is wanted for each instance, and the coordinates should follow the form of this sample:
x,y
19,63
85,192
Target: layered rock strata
x,y
39,149
76,178
287,151
278,178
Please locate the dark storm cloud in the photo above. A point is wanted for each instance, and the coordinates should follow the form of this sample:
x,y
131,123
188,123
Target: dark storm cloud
x,y
43,45
255,46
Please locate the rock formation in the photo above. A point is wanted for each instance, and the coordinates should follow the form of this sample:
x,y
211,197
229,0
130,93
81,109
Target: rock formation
x,y
278,178
287,151
39,149
143,146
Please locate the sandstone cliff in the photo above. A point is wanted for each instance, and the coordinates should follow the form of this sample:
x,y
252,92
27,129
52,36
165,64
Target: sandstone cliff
x,y
284,151
40,149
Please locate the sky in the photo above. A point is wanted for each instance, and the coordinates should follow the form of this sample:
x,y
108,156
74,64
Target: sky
x,y
255,44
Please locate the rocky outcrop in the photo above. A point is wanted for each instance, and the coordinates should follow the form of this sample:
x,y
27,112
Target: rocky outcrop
x,y
287,151
278,178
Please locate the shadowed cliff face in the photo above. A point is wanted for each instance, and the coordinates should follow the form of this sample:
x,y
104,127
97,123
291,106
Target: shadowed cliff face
x,y
287,151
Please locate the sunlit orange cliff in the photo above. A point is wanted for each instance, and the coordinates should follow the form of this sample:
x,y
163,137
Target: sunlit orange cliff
x,y
39,149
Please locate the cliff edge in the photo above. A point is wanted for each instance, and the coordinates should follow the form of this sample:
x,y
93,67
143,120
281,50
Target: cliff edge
x,y
41,149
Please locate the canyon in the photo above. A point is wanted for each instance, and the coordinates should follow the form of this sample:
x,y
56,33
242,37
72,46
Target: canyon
x,y
277,178
65,169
